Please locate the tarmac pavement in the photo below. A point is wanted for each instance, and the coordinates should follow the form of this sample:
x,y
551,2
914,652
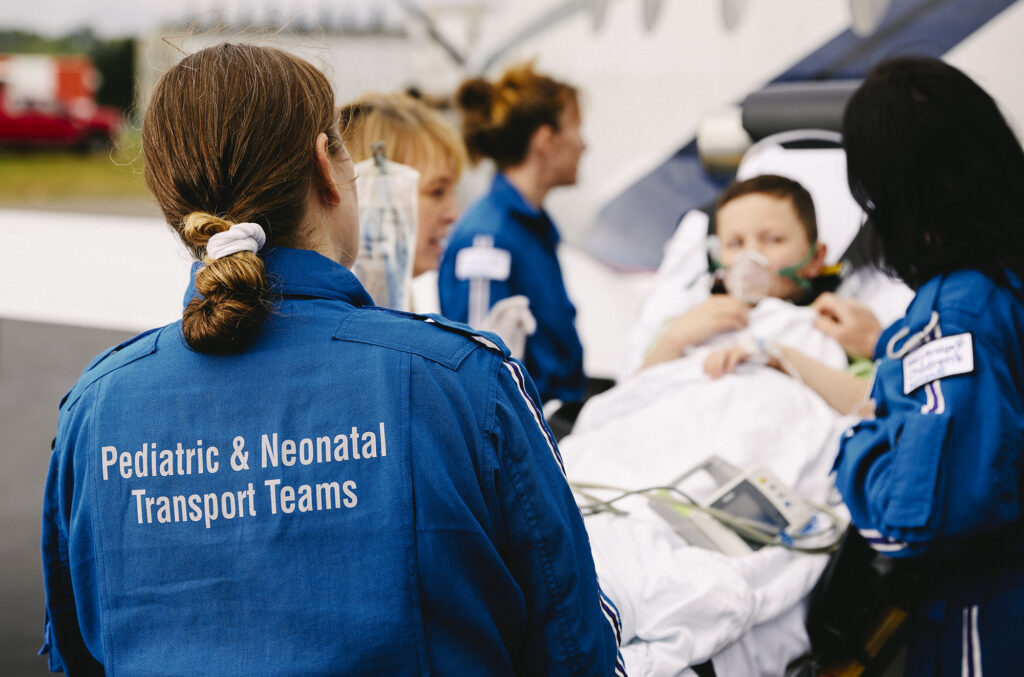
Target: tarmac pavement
x,y
38,363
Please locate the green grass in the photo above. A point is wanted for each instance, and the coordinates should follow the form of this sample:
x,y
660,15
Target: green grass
x,y
51,177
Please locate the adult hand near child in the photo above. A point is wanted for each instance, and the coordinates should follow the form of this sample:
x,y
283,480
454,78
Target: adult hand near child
x,y
849,322
716,314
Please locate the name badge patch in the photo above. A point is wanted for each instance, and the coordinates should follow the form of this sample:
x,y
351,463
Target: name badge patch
x,y
483,263
947,356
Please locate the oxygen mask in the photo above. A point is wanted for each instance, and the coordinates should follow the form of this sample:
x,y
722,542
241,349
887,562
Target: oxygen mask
x,y
750,276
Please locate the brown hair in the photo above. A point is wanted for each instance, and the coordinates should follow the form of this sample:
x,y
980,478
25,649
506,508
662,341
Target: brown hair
x,y
499,119
228,137
780,187
413,133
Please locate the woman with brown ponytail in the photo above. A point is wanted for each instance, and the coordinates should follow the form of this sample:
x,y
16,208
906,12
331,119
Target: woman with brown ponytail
x,y
505,244
288,480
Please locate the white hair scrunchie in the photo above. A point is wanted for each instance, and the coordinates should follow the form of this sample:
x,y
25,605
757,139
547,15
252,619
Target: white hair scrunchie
x,y
240,237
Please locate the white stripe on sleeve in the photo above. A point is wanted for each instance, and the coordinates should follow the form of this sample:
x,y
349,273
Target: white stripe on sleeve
x,y
881,543
965,666
975,641
611,614
538,416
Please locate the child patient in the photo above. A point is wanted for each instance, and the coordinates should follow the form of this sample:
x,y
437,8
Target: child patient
x,y
768,256
767,247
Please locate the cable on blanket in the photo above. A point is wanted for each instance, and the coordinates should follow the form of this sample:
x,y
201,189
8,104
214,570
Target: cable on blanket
x,y
752,530
768,354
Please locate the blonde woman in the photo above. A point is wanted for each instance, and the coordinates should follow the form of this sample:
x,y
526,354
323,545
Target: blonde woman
x,y
415,135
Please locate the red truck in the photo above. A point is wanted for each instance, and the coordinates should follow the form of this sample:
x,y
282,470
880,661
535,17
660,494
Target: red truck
x,y
50,101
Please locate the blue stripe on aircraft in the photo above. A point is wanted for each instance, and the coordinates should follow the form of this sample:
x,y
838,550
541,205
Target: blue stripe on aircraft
x,y
920,27
631,230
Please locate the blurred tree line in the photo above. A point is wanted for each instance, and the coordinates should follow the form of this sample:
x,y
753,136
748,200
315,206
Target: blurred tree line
x,y
114,59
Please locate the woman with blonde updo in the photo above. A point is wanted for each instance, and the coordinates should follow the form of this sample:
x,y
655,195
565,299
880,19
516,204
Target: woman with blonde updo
x,y
289,480
417,136
529,125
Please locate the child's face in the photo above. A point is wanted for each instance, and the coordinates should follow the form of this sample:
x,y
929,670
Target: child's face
x,y
769,226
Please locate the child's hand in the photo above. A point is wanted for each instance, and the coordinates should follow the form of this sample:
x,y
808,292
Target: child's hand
x,y
849,322
722,362
718,313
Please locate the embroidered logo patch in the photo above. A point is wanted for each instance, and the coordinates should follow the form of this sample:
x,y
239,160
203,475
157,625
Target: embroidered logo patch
x,y
947,356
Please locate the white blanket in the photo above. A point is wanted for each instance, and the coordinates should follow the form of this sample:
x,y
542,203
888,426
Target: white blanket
x,y
682,605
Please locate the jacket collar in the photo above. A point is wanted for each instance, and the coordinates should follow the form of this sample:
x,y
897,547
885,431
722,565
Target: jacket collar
x,y
536,220
305,273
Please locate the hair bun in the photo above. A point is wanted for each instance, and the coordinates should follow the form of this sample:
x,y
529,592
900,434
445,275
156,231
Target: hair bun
x,y
475,94
198,227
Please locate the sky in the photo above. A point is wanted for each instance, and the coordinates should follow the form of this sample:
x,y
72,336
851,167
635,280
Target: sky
x,y
121,18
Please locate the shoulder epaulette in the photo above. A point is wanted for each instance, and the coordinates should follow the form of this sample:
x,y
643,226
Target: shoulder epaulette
x,y
484,338
113,358
448,347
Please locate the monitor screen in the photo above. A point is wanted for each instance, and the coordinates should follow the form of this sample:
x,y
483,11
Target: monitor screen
x,y
746,501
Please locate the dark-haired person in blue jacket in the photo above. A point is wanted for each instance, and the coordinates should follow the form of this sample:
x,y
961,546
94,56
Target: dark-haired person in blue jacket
x,y
935,476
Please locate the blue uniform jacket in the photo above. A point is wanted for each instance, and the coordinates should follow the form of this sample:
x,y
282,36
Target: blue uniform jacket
x,y
554,355
938,474
360,492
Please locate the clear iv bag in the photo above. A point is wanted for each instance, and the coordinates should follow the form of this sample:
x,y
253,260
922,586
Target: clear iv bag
x,y
387,194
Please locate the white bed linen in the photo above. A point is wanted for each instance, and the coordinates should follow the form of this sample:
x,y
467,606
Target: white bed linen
x,y
682,281
682,605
